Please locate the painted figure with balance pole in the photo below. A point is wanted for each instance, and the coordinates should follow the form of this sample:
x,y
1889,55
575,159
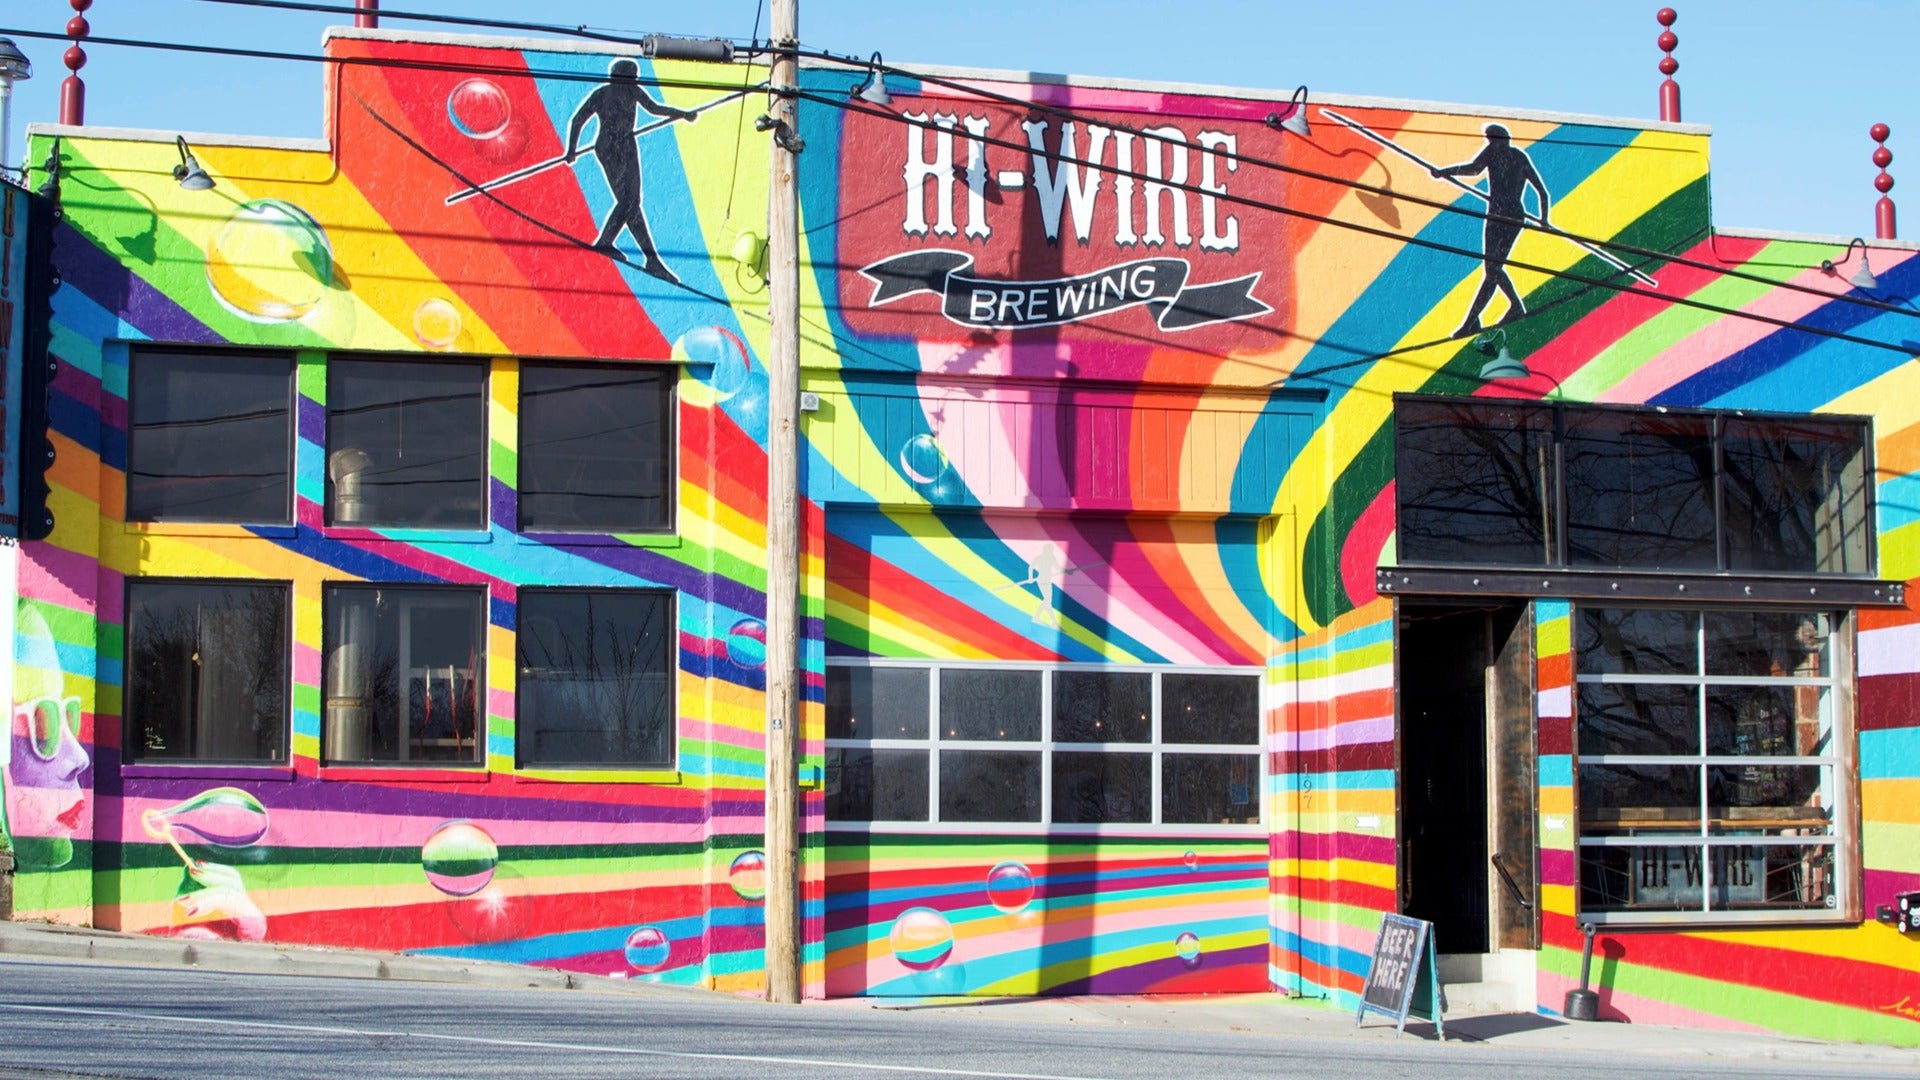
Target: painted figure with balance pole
x,y
614,146
1510,173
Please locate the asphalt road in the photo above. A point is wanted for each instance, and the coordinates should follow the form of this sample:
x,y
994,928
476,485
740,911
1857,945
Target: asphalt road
x,y
92,1019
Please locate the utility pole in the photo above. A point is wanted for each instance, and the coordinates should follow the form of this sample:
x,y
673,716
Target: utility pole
x,y
783,516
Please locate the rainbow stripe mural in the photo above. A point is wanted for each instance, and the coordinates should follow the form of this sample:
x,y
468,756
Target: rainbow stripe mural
x,y
1139,337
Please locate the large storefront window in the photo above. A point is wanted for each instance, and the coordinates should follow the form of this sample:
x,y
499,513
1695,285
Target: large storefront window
x,y
206,672
1711,750
1507,483
1071,747
404,668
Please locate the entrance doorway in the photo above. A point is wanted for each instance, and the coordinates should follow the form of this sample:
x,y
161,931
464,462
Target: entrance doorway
x,y
1468,855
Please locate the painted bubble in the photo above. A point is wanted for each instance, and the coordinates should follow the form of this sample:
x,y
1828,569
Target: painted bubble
x,y
436,323
270,262
648,949
923,459
921,938
1010,886
1187,948
479,109
459,858
720,349
747,643
1192,860
748,875
222,816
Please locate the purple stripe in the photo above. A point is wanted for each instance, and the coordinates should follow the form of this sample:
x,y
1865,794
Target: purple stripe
x,y
119,290
1250,960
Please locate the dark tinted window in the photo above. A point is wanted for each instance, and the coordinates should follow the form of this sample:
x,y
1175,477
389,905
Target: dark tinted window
x,y
1093,787
1796,496
989,705
404,672
1102,706
989,785
407,444
1639,489
595,678
210,438
596,448
877,702
1474,482
864,784
206,672
1218,710
1210,789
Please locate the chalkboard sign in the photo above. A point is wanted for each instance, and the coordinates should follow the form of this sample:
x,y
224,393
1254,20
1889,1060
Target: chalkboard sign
x,y
1398,953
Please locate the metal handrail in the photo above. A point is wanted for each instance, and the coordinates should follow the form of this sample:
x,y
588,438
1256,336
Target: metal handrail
x,y
1512,886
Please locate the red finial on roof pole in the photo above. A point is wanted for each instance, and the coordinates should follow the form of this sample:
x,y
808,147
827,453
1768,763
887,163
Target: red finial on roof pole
x,y
369,14
73,92
1669,90
1883,210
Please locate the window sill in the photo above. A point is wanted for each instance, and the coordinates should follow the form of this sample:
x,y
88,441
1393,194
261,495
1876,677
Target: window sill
x,y
1674,922
411,774
480,535
599,539
192,528
589,775
275,773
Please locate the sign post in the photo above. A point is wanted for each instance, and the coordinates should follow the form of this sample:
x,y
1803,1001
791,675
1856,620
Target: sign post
x,y
1394,974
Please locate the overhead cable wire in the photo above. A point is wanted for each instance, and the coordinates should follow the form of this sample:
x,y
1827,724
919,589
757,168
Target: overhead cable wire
x,y
1028,149
370,61
1417,241
1032,106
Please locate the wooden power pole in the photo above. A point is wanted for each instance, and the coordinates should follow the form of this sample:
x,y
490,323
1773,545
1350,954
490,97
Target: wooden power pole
x,y
783,518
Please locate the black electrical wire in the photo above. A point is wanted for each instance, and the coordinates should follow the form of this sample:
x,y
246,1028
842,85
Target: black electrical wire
x,y
1359,185
1026,149
1434,245
417,16
368,61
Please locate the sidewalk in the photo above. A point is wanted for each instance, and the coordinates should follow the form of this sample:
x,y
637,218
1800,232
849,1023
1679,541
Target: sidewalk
x,y
1265,1014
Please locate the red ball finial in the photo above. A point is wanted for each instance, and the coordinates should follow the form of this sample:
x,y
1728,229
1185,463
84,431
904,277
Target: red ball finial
x,y
1669,90
1883,218
79,5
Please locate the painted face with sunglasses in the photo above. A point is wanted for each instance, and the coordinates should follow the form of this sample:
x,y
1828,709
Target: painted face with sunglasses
x,y
44,798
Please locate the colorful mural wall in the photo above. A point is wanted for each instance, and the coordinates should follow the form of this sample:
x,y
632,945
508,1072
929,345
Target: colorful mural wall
x,y
1105,378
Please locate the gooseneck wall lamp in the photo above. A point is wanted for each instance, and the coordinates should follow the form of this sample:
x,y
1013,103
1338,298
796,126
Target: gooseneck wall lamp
x,y
874,90
189,173
1861,278
1503,365
1295,118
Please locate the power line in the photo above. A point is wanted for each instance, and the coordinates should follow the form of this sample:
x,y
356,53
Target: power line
x,y
1360,185
369,61
578,30
1565,275
850,106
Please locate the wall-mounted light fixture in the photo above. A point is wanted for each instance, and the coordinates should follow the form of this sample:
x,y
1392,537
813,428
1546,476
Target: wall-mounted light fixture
x,y
189,173
1503,365
1861,278
50,187
874,90
1295,118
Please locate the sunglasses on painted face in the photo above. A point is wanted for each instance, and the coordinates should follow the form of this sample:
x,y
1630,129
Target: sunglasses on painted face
x,y
50,722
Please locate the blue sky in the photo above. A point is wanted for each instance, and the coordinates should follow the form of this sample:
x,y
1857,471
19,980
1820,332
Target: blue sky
x,y
1790,88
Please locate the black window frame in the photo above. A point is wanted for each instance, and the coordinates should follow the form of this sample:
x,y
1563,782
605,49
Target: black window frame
x,y
1841,762
1561,562
670,675
478,763
484,366
131,731
137,354
668,379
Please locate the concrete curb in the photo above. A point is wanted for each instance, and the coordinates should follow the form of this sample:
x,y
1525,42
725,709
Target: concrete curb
x,y
53,942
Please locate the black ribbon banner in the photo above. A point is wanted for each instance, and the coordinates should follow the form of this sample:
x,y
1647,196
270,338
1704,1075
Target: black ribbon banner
x,y
1161,284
